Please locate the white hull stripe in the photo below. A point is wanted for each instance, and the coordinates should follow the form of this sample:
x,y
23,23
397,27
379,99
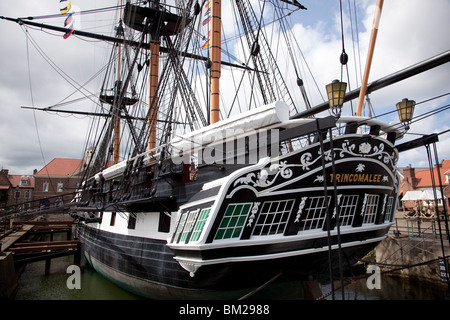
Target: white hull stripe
x,y
200,262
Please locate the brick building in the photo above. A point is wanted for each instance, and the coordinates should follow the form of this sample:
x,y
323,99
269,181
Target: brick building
x,y
419,179
5,185
16,190
56,183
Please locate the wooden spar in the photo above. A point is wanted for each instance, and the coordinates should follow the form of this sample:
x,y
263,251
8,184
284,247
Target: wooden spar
x,y
117,123
216,25
153,94
395,77
373,38
131,43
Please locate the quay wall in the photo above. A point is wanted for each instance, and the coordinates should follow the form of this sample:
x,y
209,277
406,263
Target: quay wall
x,y
396,254
8,281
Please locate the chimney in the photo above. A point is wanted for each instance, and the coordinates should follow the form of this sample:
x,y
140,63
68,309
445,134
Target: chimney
x,y
6,171
410,180
440,164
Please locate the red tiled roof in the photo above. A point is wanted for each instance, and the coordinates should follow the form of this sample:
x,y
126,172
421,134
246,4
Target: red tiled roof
x,y
16,178
424,177
61,167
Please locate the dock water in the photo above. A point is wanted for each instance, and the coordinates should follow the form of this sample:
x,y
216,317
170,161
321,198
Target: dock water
x,y
404,247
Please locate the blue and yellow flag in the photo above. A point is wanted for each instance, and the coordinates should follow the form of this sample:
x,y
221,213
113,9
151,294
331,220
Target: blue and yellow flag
x,y
69,21
66,9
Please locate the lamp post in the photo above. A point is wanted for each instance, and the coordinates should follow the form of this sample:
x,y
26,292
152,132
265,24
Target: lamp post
x,y
336,93
405,109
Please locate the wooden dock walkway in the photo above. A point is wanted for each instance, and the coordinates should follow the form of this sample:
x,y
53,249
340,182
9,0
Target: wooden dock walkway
x,y
43,246
16,249
48,227
13,237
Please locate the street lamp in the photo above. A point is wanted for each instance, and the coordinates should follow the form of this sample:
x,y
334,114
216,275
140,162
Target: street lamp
x,y
405,110
336,93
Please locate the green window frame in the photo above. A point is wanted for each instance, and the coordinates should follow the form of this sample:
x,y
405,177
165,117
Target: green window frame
x,y
180,227
233,221
198,228
189,224
389,207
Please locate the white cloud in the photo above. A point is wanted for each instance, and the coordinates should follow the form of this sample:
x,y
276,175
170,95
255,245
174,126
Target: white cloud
x,y
59,135
410,31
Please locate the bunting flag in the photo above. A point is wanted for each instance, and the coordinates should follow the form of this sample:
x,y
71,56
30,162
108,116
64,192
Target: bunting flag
x,y
208,40
69,20
66,9
68,33
206,20
206,44
207,16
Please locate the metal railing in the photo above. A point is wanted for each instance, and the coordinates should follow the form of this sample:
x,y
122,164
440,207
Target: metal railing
x,y
418,227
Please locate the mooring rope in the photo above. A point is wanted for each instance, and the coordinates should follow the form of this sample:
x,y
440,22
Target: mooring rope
x,y
261,287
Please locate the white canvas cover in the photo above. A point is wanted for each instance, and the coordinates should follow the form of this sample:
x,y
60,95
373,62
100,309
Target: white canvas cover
x,y
412,196
254,119
429,195
419,195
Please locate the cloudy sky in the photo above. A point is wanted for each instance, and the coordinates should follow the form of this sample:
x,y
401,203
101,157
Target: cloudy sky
x,y
410,31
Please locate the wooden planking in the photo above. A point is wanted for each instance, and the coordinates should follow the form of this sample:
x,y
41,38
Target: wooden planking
x,y
14,237
31,244
47,247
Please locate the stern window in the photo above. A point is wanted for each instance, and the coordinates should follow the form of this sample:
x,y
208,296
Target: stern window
x,y
273,217
180,226
233,221
189,225
314,216
200,224
371,208
347,209
389,206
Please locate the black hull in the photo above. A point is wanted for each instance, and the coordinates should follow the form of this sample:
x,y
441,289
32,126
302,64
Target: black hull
x,y
235,228
147,266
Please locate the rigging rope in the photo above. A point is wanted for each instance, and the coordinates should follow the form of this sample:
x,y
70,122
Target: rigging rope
x,y
58,70
84,12
34,112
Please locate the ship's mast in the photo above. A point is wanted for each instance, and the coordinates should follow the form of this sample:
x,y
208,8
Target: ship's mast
x,y
216,25
373,38
117,123
153,81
